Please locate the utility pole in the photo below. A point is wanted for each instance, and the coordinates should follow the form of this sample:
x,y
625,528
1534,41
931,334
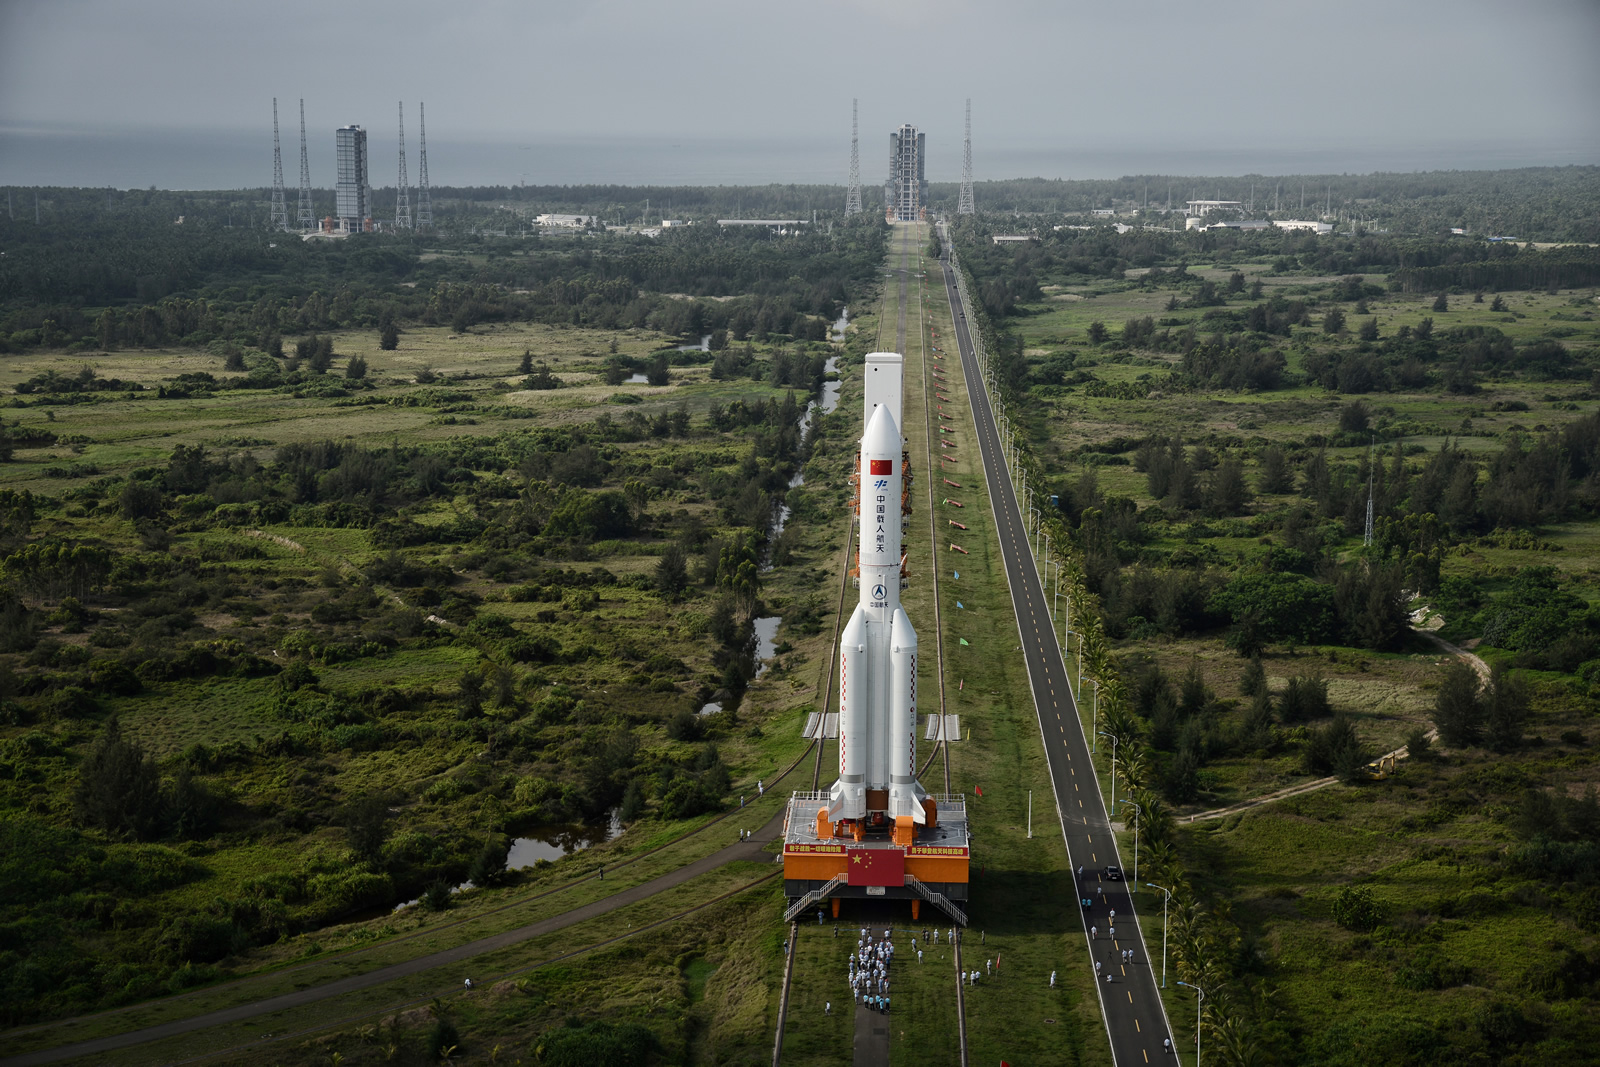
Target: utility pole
x,y
306,217
965,206
852,197
402,195
280,212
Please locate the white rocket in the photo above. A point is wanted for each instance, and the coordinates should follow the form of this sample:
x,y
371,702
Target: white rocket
x,y
878,646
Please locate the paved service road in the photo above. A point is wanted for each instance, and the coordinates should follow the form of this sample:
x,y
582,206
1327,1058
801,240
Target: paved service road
x,y
1129,1002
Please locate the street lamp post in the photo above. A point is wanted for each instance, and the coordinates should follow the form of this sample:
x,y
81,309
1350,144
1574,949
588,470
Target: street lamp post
x,y
1138,813
1164,902
1200,1000
1078,693
1094,709
1055,605
1114,741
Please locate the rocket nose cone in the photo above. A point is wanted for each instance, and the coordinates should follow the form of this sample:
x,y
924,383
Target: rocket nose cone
x,y
882,435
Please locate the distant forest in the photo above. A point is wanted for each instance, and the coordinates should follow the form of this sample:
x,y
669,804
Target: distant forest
x,y
1532,203
105,272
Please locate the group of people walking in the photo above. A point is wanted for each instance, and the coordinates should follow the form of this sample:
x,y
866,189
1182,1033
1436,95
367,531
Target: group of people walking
x,y
869,969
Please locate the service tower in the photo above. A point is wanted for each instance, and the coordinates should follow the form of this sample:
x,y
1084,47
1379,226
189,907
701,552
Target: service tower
x,y
353,194
905,194
877,832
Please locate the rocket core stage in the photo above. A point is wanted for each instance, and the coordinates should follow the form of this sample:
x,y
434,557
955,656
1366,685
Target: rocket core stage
x,y
877,832
878,654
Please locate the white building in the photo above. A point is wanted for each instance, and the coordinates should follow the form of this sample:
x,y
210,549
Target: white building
x,y
576,222
1303,224
1206,207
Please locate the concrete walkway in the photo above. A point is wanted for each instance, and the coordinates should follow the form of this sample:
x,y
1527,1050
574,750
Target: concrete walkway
x,y
871,1047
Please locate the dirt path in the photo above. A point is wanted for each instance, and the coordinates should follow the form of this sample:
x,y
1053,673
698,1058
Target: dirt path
x,y
1322,783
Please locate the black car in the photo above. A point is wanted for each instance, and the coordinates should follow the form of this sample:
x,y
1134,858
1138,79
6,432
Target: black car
x,y
1113,873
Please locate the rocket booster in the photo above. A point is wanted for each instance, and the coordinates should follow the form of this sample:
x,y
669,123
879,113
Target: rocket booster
x,y
878,651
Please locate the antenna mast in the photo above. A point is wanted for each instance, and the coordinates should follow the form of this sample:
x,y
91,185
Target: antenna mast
x,y
1371,474
402,196
306,217
280,213
852,198
424,202
965,206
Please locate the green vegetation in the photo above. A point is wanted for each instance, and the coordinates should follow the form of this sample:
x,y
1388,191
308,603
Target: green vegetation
x,y
1213,434
303,620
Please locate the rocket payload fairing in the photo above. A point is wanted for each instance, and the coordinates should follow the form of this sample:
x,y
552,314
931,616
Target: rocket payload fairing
x,y
878,646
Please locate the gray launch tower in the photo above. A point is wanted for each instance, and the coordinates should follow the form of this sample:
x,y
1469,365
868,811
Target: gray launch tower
x,y
906,191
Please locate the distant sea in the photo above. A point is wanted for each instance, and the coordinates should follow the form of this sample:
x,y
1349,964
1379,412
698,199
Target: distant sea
x,y
31,155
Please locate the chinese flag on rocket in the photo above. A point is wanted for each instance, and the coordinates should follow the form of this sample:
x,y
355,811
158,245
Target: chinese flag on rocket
x,y
876,866
880,466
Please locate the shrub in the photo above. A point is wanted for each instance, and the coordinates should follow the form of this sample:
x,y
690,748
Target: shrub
x,y
1458,712
345,891
119,789
1281,606
613,1044
201,938
1355,908
443,1040
437,897
489,866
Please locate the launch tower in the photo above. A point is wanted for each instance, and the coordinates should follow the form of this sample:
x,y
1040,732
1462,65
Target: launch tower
x,y
905,194
877,832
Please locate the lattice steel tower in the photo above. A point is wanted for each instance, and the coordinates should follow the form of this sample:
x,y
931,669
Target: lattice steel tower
x,y
306,217
852,199
424,202
280,212
402,195
965,205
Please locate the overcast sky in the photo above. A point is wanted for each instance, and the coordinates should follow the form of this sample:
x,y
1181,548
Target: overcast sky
x,y
1432,75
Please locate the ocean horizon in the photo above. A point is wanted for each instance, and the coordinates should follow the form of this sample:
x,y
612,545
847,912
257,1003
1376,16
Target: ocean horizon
x,y
168,159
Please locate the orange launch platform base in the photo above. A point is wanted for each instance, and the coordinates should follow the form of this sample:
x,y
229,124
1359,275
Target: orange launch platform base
x,y
928,864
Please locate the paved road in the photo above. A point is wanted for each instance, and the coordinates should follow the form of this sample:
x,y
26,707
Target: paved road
x,y
751,849
1130,1002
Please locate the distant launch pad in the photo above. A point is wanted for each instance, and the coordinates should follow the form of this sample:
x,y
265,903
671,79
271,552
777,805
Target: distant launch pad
x,y
876,832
